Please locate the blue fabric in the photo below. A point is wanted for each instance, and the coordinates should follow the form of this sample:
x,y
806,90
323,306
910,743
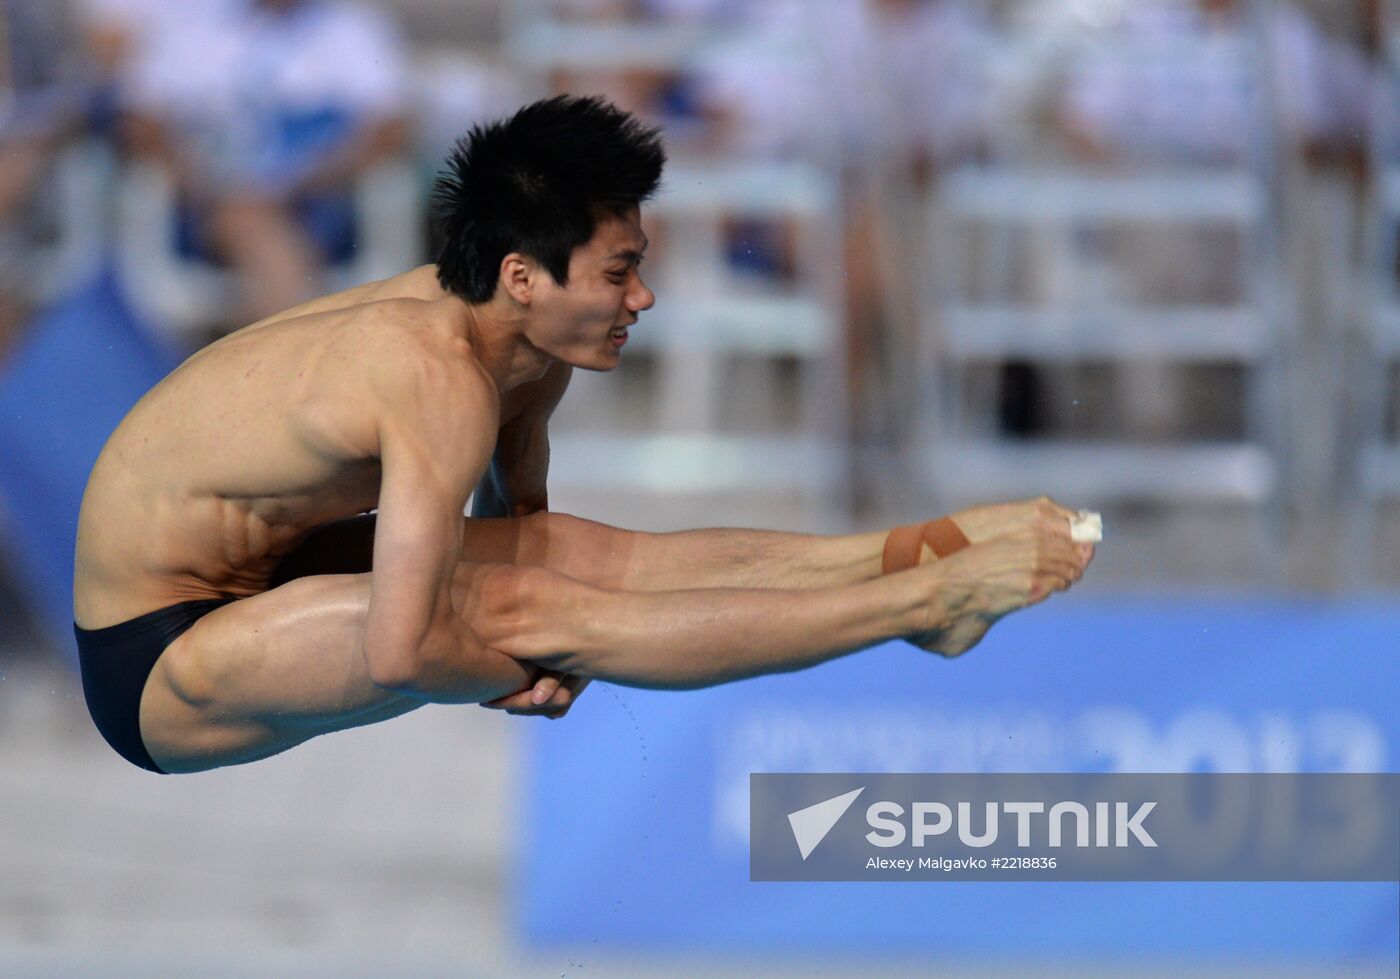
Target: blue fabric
x,y
79,368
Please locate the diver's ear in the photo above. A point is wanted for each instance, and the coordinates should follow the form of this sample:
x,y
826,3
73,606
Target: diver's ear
x,y
517,277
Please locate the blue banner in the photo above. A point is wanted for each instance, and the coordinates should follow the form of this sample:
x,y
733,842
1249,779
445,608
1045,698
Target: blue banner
x,y
637,811
79,368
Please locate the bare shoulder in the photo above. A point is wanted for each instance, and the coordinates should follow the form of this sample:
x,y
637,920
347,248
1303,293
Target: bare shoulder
x,y
420,368
404,342
419,283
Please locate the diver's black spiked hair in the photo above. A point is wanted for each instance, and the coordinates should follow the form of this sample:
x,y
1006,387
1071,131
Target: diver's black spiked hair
x,y
534,184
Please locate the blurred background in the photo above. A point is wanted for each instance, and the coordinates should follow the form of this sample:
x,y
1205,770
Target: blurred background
x,y
910,255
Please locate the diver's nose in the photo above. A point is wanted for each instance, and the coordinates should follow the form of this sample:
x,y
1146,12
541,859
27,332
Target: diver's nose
x,y
641,297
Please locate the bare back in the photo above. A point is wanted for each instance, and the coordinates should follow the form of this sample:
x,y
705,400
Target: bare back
x,y
228,463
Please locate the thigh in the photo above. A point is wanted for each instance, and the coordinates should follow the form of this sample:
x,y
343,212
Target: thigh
x,y
593,553
258,676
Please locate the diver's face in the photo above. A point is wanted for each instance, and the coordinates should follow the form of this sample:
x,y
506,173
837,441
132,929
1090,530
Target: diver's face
x,y
585,322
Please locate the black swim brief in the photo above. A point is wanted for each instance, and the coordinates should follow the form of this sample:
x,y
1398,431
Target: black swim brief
x,y
116,662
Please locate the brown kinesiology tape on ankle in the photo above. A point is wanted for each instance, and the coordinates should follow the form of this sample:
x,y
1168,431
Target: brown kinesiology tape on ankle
x,y
905,545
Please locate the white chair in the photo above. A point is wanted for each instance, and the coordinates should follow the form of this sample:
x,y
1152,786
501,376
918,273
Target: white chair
x,y
964,459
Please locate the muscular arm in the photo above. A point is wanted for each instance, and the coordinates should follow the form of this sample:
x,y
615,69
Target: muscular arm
x,y
416,640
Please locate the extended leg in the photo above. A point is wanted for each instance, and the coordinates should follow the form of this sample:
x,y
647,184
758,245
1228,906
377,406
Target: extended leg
x,y
626,560
682,639
610,557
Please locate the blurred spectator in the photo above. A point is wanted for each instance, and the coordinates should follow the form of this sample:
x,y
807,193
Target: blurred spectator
x,y
892,91
1193,82
42,105
264,112
867,78
1206,83
117,32
646,73
455,89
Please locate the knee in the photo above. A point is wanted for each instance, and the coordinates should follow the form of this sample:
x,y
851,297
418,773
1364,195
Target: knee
x,y
206,672
544,530
519,609
191,677
497,597
581,549
186,720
